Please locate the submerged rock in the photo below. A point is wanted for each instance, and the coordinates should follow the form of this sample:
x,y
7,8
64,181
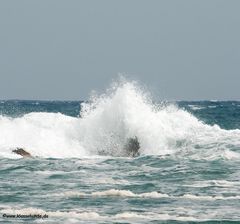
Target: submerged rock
x,y
22,152
130,149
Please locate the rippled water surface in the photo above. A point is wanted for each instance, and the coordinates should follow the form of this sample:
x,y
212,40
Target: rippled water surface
x,y
145,189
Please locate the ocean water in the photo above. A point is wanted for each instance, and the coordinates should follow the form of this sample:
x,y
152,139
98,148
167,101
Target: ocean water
x,y
187,172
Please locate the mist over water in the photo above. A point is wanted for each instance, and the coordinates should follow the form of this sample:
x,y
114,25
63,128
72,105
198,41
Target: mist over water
x,y
187,169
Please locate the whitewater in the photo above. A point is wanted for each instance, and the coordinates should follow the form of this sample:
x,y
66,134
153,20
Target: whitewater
x,y
108,121
187,169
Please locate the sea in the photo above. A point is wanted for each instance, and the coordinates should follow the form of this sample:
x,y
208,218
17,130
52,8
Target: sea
x,y
187,169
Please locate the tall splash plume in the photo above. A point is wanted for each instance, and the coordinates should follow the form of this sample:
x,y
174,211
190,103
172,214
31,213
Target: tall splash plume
x,y
126,111
108,122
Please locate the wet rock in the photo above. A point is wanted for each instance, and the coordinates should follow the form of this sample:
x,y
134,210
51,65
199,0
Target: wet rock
x,y
22,152
132,147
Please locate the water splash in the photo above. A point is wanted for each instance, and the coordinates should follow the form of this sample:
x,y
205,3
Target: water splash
x,y
109,120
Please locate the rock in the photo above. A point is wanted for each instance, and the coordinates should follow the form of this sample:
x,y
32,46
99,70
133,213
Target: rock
x,y
132,147
22,152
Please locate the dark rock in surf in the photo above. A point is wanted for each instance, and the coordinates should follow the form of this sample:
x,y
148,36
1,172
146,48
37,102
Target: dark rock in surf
x,y
22,152
132,147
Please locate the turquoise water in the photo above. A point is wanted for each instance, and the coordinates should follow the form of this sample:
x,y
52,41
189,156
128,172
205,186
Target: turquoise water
x,y
187,172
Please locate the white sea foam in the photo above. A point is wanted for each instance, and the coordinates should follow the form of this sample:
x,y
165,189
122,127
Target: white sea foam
x,y
42,134
88,215
66,214
130,215
127,193
211,183
209,198
114,192
93,215
111,193
108,121
154,194
195,107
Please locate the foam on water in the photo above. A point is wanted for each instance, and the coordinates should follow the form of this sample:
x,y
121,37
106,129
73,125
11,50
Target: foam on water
x,y
94,215
106,124
154,194
127,215
80,215
195,107
111,193
214,183
65,214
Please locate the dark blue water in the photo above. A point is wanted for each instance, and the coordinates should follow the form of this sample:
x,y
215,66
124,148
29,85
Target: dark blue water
x,y
226,114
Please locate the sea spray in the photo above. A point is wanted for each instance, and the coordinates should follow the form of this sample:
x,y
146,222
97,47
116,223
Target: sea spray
x,y
108,121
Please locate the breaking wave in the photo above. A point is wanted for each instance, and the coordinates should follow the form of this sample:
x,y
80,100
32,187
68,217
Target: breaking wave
x,y
107,122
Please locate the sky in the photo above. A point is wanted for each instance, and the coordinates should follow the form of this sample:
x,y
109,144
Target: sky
x,y
62,50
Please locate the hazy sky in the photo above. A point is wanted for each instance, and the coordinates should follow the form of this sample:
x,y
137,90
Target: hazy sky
x,y
55,49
